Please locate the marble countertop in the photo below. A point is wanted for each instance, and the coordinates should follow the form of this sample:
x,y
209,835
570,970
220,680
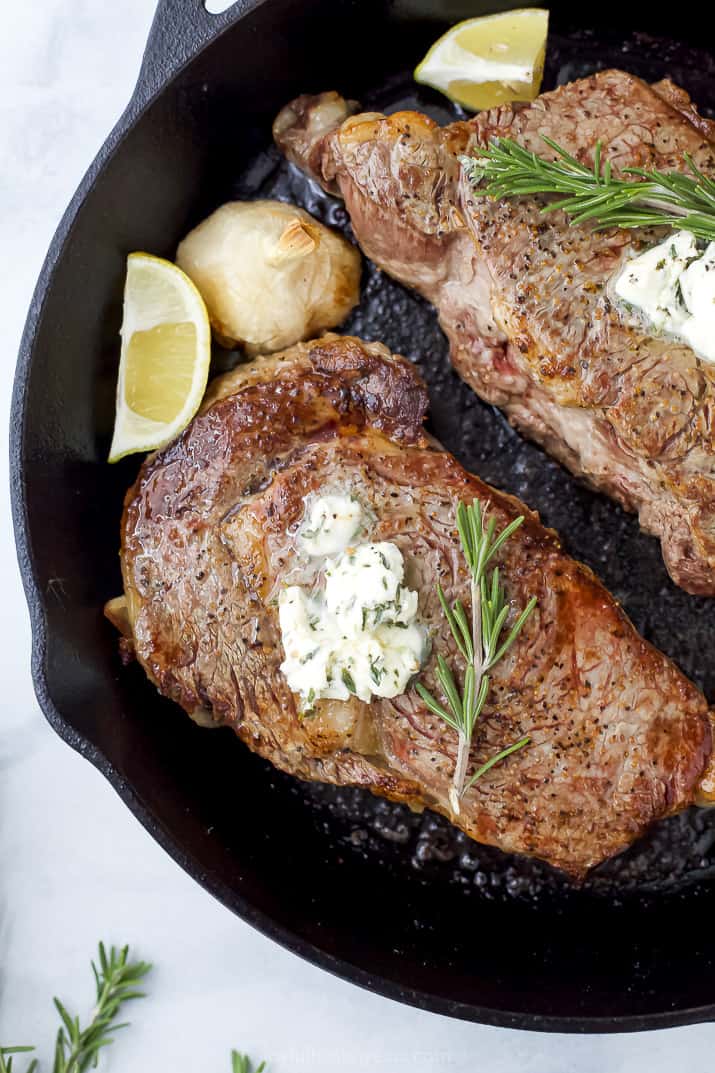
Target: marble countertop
x,y
76,865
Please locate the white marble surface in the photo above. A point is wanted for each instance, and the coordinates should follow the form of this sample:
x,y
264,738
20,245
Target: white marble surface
x,y
75,864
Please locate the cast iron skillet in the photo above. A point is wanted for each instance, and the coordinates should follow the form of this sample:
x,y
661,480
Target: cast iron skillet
x,y
398,903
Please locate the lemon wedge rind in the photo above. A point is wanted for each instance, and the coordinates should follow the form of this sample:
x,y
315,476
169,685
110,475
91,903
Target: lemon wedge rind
x,y
489,60
165,356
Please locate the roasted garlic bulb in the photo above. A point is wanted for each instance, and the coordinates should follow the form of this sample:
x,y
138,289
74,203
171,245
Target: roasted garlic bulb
x,y
270,274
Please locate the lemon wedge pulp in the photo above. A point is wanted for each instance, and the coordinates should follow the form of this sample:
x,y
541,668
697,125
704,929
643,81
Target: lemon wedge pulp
x,y
489,60
165,355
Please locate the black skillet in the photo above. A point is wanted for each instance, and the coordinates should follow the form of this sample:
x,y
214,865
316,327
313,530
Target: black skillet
x,y
400,904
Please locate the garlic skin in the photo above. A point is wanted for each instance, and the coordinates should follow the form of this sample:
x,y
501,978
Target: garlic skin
x,y
270,274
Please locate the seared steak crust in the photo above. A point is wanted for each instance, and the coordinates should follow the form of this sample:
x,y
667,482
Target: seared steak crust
x,y
524,299
619,735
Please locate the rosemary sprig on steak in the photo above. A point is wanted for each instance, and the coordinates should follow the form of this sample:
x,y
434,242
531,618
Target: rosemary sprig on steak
x,y
478,640
651,198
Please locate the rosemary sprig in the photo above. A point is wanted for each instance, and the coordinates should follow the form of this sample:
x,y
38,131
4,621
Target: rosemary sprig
x,y
76,1049
241,1063
8,1052
478,640
652,198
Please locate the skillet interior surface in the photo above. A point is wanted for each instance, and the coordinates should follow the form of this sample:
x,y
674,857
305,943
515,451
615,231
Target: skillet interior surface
x,y
398,902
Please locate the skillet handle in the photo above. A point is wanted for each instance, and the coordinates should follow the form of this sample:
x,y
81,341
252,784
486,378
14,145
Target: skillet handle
x,y
180,30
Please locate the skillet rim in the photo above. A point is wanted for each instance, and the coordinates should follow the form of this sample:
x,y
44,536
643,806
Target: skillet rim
x,y
160,68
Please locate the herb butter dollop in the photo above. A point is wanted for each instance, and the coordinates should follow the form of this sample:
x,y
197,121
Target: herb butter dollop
x,y
672,286
331,523
356,634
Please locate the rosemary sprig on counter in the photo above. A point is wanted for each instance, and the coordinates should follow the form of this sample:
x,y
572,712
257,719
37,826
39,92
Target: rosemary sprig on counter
x,y
241,1063
652,198
77,1049
478,640
6,1059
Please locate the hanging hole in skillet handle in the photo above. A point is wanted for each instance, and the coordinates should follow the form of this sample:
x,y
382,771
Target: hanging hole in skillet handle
x,y
180,30
217,7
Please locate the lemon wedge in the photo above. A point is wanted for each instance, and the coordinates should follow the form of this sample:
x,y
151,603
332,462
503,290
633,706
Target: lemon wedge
x,y
165,355
489,60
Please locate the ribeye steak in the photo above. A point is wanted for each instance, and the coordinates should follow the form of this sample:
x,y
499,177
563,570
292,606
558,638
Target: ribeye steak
x,y
524,297
619,737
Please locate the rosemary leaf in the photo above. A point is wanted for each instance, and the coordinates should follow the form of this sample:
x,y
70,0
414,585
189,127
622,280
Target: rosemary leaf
x,y
497,627
468,705
456,627
449,685
515,630
465,534
504,536
349,681
496,760
479,704
436,707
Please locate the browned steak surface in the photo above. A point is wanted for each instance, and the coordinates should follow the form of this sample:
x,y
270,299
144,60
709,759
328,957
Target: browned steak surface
x,y
619,737
524,299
